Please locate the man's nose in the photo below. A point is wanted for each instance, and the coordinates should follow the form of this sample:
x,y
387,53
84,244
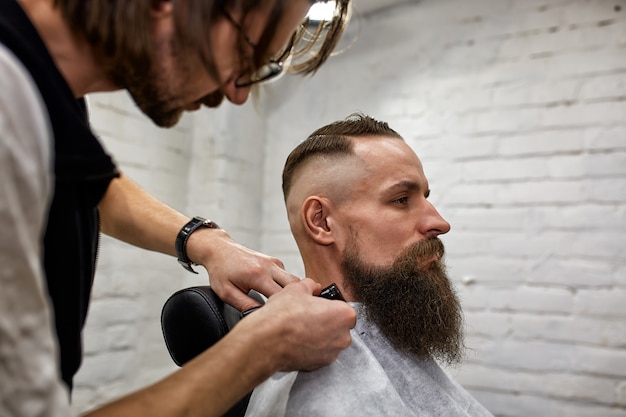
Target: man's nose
x,y
433,224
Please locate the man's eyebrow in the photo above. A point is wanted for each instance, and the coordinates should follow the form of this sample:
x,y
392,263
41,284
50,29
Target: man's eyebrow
x,y
409,186
405,185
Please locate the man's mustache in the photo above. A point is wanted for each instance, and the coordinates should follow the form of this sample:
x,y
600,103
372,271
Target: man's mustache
x,y
431,249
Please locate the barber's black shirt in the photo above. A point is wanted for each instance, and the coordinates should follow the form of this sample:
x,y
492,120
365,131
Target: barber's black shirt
x,y
82,171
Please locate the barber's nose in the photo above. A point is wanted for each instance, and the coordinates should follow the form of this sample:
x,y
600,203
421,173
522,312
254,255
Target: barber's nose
x,y
236,95
433,224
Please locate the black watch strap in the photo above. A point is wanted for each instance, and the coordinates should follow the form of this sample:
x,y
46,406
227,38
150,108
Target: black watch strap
x,y
181,240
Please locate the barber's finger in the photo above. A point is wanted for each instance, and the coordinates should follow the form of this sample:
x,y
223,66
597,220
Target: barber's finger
x,y
307,285
266,286
282,277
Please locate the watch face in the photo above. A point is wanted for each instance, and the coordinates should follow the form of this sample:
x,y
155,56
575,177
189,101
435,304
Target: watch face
x,y
210,224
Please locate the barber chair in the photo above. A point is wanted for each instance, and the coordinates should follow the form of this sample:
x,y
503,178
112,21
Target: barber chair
x,y
194,319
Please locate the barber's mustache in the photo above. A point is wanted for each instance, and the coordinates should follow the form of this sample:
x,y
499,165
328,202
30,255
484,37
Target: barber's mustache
x,y
213,99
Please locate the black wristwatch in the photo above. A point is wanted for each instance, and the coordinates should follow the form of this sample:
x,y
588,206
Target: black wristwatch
x,y
181,240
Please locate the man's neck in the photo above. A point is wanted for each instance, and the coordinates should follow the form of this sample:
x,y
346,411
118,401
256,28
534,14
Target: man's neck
x,y
74,57
326,273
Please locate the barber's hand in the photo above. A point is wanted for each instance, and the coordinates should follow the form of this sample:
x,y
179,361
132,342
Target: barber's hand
x,y
234,270
301,331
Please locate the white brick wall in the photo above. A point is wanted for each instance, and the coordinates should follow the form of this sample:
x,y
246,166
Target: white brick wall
x,y
518,111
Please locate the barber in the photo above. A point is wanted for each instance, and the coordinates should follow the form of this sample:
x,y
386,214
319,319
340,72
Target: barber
x,y
60,189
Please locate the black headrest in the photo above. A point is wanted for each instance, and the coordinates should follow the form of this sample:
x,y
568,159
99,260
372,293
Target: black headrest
x,y
194,319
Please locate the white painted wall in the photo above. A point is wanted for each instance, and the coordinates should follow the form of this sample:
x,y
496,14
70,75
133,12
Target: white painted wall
x,y
517,109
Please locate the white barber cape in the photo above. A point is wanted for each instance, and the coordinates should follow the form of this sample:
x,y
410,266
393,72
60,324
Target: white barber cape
x,y
370,378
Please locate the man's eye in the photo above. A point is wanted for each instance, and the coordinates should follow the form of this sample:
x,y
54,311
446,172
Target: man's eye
x,y
401,200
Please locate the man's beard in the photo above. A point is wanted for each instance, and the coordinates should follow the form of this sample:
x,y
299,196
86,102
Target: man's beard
x,y
412,301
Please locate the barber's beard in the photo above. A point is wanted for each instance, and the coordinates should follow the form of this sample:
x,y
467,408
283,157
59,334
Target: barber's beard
x,y
146,90
412,301
150,88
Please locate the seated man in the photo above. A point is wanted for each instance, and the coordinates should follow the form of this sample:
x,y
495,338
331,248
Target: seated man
x,y
356,198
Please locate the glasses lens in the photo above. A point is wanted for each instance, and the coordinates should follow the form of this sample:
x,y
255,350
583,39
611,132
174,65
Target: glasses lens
x,y
265,73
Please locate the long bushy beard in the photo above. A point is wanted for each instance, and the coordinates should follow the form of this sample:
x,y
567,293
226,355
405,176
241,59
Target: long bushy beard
x,y
412,301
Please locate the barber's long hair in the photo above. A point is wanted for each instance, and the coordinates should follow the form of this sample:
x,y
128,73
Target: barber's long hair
x,y
120,30
333,139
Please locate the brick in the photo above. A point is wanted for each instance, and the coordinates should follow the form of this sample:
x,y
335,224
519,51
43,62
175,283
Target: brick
x,y
543,142
513,94
557,92
585,114
563,39
474,147
524,299
547,192
572,272
605,138
109,367
612,191
601,303
584,63
581,217
556,385
539,356
128,308
598,244
508,120
486,269
613,164
528,405
603,86
478,298
621,393
488,324
569,329
503,219
280,242
538,299
591,12
600,361
620,275
505,169
115,337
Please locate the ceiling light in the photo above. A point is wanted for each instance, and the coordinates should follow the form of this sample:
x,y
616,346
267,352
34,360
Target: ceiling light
x,y
322,11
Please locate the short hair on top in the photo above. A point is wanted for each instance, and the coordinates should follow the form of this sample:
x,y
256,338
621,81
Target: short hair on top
x,y
333,139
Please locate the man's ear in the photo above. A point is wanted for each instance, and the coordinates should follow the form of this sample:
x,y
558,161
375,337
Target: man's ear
x,y
315,212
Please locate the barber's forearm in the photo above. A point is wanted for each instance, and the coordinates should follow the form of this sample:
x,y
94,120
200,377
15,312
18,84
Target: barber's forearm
x,y
131,214
206,386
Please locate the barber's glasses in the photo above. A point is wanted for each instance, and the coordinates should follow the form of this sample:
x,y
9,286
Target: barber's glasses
x,y
271,70
266,72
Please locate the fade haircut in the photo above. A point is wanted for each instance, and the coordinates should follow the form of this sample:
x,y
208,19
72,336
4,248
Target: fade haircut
x,y
120,30
333,139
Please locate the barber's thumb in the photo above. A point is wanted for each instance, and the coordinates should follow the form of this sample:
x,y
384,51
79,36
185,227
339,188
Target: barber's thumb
x,y
241,301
